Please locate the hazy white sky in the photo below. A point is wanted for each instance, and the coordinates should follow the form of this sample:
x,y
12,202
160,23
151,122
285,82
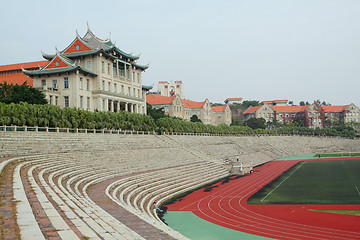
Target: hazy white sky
x,y
254,49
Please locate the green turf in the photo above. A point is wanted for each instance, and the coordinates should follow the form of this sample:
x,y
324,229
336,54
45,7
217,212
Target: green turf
x,y
337,155
195,228
314,182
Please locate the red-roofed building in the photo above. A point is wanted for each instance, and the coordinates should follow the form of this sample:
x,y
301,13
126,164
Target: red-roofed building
x,y
231,101
201,109
346,114
173,106
13,74
263,111
221,115
185,109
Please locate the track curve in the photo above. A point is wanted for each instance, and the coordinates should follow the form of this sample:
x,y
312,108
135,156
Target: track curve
x,y
226,205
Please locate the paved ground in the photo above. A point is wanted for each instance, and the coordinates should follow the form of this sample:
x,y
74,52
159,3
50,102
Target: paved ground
x,y
97,194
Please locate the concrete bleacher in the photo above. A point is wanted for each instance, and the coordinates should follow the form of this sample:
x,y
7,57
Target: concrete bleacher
x,y
137,169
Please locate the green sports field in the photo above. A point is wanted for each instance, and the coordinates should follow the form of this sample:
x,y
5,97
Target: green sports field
x,y
314,182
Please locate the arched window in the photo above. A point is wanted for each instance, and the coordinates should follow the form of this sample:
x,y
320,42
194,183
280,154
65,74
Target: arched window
x,y
57,63
77,47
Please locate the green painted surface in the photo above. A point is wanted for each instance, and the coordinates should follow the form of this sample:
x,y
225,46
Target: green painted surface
x,y
195,228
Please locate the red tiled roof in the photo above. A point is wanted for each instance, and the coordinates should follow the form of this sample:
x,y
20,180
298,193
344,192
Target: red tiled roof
x,y
19,79
192,104
233,99
26,65
289,109
334,108
218,108
154,99
252,109
273,101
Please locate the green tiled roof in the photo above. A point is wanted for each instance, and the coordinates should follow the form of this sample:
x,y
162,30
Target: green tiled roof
x,y
146,87
143,67
58,70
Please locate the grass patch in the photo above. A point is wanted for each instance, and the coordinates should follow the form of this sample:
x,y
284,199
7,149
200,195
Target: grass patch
x,y
337,155
354,212
314,182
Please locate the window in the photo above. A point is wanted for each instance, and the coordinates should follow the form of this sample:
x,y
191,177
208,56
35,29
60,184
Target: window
x,y
56,100
103,85
108,86
88,103
66,101
129,91
108,70
166,109
134,92
54,83
81,83
57,63
66,82
122,89
115,87
89,65
81,101
50,102
87,84
138,77
134,77
138,93
77,47
43,82
103,105
102,66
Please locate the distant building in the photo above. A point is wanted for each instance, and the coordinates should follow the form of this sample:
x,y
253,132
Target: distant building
x,y
170,89
231,101
13,74
185,109
93,74
221,115
313,115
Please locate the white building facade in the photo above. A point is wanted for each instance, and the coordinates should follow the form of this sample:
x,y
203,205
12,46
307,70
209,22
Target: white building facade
x,y
92,74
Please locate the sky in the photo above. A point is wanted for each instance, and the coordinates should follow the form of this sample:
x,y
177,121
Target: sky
x,y
298,50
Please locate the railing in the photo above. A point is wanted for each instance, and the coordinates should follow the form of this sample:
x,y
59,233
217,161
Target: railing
x,y
135,132
71,130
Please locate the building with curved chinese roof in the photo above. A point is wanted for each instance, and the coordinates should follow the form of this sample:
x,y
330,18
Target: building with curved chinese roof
x,y
93,74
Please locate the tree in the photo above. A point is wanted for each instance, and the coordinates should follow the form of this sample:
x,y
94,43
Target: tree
x,y
20,93
155,113
194,118
250,103
302,103
256,123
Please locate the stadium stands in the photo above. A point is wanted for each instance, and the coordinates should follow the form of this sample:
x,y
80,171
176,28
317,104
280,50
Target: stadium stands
x,y
56,175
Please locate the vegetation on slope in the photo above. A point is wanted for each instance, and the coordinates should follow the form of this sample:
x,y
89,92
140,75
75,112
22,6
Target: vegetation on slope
x,y
25,114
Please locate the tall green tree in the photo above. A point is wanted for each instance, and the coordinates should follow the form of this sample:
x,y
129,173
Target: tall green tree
x,y
194,118
256,123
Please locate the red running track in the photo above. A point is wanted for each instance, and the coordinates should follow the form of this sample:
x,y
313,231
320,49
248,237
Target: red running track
x,y
226,205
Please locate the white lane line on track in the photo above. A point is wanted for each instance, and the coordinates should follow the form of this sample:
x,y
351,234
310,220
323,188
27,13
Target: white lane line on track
x,y
282,182
357,190
281,224
260,228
